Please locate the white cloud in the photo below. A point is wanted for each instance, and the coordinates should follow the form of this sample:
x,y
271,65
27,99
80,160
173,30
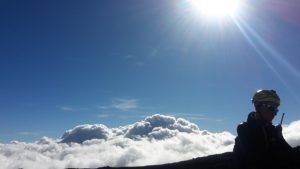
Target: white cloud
x,y
129,56
160,126
124,104
155,140
66,108
156,126
194,116
85,132
291,133
120,104
74,108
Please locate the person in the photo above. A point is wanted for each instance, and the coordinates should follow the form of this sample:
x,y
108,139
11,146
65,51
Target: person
x,y
259,144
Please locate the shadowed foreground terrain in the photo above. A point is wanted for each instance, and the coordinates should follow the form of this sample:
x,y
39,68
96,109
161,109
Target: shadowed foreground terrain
x,y
219,161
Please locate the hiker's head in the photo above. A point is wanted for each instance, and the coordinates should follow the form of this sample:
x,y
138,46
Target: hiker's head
x,y
266,103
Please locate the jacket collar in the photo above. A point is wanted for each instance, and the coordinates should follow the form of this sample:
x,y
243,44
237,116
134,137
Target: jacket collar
x,y
253,120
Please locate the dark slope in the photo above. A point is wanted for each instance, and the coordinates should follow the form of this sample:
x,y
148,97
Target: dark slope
x,y
222,161
219,161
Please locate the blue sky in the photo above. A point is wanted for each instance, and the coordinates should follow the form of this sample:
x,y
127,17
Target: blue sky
x,y
65,63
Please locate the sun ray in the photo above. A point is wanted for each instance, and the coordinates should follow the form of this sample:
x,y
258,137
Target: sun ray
x,y
260,45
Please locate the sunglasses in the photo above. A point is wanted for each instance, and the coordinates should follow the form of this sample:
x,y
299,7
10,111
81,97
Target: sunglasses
x,y
270,106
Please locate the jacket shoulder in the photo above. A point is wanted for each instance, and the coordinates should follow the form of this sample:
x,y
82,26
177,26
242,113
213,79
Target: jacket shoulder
x,y
242,127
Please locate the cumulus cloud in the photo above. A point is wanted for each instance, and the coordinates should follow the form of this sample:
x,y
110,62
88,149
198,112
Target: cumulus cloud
x,y
155,140
82,133
156,126
161,126
291,133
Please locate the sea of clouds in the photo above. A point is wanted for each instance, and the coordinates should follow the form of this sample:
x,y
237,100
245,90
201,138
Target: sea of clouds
x,y
155,140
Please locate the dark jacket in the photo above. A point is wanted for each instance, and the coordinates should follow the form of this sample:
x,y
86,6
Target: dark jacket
x,y
261,145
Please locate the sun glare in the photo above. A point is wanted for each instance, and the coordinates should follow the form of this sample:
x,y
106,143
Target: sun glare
x,y
216,8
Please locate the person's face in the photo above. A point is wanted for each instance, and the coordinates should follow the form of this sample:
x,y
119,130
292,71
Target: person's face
x,y
268,111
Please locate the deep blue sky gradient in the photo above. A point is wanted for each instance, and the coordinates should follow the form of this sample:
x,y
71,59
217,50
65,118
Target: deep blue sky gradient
x,y
64,63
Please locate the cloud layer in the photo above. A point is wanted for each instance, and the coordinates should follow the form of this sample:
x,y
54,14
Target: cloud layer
x,y
155,140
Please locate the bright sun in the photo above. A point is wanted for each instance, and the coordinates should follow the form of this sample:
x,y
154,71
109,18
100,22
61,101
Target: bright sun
x,y
216,8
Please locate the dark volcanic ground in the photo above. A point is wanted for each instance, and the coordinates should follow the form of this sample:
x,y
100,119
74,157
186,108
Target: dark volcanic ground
x,y
219,161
